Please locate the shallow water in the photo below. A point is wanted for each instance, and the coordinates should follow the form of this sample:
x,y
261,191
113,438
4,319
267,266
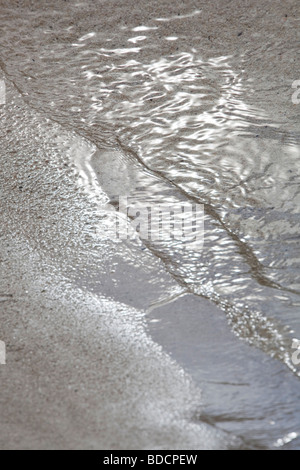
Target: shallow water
x,y
164,103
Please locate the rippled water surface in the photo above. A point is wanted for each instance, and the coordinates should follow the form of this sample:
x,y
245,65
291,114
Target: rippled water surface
x,y
172,102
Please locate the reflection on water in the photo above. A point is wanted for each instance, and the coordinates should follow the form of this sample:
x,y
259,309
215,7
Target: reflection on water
x,y
167,123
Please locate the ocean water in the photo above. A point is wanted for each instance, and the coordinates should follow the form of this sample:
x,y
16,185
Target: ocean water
x,y
182,102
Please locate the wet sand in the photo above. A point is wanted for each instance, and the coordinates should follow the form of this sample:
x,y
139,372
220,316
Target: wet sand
x,y
81,370
106,347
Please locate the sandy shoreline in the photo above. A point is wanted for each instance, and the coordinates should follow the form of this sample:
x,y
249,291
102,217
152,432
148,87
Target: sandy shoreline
x,y
90,363
81,371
